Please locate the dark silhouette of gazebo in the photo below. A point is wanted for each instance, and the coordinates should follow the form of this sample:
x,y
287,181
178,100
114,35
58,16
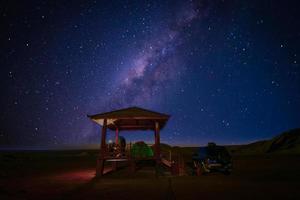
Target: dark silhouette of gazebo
x,y
129,119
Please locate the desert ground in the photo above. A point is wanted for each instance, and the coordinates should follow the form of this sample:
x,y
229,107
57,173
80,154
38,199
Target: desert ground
x,y
71,175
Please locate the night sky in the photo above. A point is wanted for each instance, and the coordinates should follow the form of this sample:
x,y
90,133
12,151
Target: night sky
x,y
226,71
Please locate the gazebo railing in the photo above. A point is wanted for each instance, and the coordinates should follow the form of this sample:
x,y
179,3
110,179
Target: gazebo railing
x,y
113,151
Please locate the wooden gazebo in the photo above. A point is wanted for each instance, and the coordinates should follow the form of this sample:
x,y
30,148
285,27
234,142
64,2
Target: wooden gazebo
x,y
132,118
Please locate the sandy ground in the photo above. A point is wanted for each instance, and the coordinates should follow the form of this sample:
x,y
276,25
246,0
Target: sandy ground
x,y
253,177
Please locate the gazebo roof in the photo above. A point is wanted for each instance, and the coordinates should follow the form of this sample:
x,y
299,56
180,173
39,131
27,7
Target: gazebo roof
x,y
132,118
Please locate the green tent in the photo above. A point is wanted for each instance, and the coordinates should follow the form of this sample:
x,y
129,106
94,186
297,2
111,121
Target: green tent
x,y
141,150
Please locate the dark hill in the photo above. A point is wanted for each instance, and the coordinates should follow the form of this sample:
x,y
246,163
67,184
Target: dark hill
x,y
285,143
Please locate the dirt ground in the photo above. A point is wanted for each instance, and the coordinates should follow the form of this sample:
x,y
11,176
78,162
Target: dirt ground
x,y
253,177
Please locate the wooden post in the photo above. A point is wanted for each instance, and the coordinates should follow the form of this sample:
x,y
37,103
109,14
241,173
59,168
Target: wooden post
x,y
131,162
114,163
157,149
117,136
129,152
157,142
101,160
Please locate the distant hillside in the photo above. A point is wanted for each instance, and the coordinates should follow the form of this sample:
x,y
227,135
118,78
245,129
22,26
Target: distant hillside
x,y
286,143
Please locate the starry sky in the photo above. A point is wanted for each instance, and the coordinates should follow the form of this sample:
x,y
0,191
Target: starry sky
x,y
225,70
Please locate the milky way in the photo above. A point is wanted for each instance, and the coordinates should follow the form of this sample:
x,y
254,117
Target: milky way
x,y
157,65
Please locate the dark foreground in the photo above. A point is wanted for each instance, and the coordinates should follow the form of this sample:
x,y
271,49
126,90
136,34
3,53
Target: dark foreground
x,y
71,176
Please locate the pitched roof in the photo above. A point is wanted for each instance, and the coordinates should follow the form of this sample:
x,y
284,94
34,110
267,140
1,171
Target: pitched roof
x,y
133,118
132,112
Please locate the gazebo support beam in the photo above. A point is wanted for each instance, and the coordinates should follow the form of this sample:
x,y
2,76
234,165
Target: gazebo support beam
x,y
101,160
157,142
114,163
117,135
